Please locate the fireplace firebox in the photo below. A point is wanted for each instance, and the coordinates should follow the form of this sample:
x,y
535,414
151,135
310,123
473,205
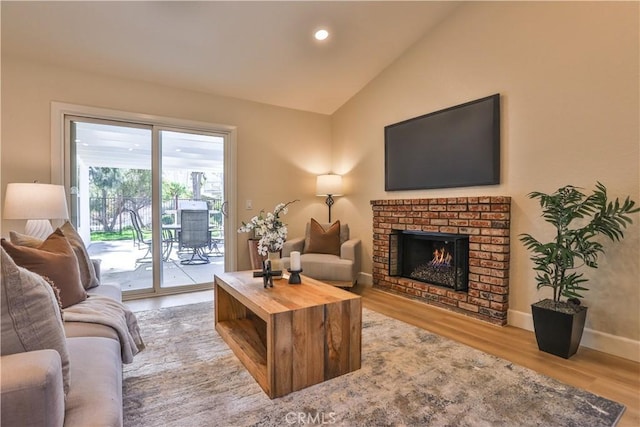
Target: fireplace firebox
x,y
436,258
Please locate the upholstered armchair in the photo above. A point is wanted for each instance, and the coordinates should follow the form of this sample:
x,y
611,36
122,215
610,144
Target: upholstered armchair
x,y
327,253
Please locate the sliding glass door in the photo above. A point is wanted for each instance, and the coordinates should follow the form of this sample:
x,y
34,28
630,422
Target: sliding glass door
x,y
192,205
135,191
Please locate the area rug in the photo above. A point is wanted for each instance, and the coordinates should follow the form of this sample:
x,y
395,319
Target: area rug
x,y
187,376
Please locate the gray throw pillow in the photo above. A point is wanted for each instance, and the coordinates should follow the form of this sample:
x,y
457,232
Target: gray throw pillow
x,y
31,318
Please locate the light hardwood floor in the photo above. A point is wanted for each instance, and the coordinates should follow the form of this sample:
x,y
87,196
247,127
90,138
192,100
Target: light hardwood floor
x,y
609,376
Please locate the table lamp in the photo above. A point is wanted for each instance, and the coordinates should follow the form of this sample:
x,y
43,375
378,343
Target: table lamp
x,y
37,203
329,185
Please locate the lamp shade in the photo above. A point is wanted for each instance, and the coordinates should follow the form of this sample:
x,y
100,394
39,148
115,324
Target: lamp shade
x,y
329,184
35,201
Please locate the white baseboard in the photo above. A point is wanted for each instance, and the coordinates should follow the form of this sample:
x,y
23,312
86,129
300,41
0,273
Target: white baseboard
x,y
365,279
601,341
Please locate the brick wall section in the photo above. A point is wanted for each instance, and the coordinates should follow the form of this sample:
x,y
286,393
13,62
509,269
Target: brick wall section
x,y
487,222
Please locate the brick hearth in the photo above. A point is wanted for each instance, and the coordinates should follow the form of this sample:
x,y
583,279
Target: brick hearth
x,y
485,219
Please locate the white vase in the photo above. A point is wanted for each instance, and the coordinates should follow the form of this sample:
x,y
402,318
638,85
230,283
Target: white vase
x,y
276,263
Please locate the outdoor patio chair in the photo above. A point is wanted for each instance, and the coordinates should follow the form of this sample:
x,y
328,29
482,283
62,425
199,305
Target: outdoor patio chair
x,y
145,243
216,230
216,247
194,235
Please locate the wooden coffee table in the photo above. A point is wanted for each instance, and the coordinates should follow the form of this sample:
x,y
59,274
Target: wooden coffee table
x,y
289,336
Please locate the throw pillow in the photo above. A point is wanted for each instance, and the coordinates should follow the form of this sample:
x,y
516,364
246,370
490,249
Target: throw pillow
x,y
323,241
31,317
88,274
54,259
87,270
24,240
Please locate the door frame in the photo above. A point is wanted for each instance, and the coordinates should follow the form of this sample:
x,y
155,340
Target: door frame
x,y
61,175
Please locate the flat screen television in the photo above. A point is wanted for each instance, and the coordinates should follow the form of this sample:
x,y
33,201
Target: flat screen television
x,y
455,147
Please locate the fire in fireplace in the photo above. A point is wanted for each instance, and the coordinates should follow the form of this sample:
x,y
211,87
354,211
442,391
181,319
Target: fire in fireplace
x,y
436,258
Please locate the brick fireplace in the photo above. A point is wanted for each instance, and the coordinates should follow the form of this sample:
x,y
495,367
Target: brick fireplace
x,y
485,220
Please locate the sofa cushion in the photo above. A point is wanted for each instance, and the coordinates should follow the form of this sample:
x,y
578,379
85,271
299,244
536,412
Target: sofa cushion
x,y
96,374
31,317
321,240
111,290
88,274
54,259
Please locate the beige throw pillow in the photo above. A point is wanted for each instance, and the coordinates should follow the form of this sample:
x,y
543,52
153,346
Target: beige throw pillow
x,y
88,274
323,241
87,270
31,318
24,240
54,259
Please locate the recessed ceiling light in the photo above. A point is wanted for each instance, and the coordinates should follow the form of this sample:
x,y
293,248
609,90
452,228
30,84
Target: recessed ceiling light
x,y
321,34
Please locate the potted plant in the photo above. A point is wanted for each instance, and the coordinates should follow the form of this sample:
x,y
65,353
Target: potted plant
x,y
272,231
579,220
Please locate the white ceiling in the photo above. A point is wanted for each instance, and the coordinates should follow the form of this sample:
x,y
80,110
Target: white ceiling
x,y
116,146
260,51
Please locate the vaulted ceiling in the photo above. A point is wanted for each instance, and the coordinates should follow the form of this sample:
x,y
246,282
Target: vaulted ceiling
x,y
260,51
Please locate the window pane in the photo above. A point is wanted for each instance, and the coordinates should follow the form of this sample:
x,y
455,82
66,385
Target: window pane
x,y
191,217
112,207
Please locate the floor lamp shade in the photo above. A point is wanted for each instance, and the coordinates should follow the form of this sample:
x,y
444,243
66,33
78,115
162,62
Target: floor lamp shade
x,y
329,185
37,203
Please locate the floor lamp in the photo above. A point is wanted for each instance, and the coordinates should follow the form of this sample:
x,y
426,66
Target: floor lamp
x,y
329,185
37,203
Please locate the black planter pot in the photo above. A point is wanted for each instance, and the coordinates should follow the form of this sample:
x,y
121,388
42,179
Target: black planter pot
x,y
558,326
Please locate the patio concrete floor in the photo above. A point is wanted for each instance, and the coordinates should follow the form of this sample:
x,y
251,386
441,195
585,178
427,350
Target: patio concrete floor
x,y
119,266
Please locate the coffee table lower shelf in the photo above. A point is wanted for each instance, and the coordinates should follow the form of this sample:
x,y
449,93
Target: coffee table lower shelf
x,y
242,337
288,337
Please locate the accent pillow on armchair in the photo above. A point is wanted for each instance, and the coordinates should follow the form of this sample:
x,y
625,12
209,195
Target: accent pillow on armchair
x,y
321,241
327,253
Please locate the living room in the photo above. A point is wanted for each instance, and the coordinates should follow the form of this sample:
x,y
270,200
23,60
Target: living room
x,y
567,74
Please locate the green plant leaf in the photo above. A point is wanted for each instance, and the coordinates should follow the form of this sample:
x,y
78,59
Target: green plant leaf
x,y
555,262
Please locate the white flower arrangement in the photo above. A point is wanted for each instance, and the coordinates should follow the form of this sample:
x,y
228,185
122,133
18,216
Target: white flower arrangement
x,y
272,231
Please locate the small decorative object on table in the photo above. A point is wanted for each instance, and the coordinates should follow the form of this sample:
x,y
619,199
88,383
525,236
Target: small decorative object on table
x,y
272,232
295,270
276,264
267,274
294,277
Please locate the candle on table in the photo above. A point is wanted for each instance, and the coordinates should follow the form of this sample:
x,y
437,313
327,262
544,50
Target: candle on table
x,y
295,261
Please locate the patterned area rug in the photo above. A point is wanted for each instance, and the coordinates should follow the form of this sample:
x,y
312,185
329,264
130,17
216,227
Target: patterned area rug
x,y
187,376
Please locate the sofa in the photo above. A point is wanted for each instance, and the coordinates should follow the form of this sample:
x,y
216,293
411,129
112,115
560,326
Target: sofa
x,y
63,370
328,253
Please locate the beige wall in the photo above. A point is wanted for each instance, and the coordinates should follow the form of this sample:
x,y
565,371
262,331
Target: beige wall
x,y
568,76
279,151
